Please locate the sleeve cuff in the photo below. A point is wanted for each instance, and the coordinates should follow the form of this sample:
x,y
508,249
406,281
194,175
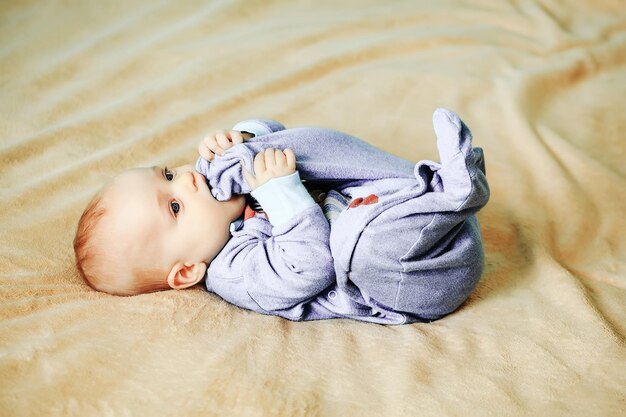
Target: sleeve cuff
x,y
253,127
283,197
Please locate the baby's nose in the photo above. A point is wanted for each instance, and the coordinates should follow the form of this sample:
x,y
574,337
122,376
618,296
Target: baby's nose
x,y
190,181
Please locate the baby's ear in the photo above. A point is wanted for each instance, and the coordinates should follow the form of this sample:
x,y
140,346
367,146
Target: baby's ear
x,y
184,275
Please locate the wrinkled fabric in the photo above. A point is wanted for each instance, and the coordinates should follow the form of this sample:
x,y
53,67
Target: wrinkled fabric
x,y
408,248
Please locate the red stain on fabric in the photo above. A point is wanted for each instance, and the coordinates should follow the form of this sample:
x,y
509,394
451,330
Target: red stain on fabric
x,y
370,199
355,203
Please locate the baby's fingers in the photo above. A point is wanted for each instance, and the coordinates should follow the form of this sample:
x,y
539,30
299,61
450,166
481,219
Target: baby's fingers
x,y
223,142
280,158
248,177
268,158
236,137
217,143
211,146
205,152
291,158
259,163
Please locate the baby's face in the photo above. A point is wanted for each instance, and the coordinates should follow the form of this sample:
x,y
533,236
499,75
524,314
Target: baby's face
x,y
164,216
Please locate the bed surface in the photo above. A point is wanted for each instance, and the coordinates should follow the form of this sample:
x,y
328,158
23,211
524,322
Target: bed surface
x,y
88,89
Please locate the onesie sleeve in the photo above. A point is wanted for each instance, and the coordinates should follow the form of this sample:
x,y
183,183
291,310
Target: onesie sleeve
x,y
283,197
275,268
259,127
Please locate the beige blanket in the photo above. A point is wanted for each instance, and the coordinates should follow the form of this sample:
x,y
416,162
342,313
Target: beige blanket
x,y
88,88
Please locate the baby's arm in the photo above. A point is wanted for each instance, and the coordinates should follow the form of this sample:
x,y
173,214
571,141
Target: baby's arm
x,y
289,263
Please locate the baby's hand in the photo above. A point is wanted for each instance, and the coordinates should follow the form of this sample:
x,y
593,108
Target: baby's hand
x,y
217,142
268,164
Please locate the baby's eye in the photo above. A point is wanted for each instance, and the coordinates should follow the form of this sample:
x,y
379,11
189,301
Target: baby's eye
x,y
169,175
175,207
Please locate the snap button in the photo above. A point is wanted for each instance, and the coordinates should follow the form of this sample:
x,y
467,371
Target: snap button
x,y
332,294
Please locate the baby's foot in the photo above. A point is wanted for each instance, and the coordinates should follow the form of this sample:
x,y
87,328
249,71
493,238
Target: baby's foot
x,y
453,136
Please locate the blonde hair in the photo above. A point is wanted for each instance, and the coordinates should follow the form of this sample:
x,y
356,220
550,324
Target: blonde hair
x,y
100,268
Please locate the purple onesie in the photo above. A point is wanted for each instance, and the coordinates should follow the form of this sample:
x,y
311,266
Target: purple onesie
x,y
407,248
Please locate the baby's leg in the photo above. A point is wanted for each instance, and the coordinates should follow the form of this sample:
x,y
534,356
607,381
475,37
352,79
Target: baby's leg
x,y
424,255
460,176
426,266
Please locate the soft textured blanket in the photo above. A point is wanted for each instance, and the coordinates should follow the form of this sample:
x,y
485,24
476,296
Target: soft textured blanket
x,y
90,88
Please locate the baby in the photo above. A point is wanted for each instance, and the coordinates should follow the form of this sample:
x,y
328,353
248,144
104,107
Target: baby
x,y
385,241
